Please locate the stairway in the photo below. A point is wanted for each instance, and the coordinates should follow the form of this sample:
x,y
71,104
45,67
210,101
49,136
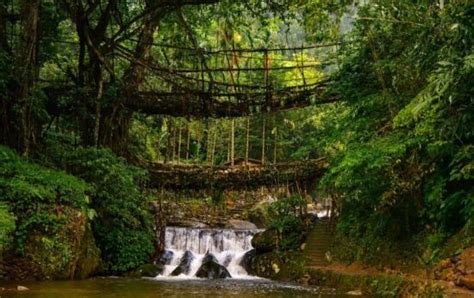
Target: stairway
x,y
318,243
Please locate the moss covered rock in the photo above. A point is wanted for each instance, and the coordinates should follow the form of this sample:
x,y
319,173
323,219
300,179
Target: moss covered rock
x,y
52,237
247,261
266,265
147,270
259,215
69,253
89,256
184,265
265,241
211,269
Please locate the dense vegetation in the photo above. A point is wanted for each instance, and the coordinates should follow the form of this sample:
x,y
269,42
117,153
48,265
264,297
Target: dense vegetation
x,y
399,139
59,210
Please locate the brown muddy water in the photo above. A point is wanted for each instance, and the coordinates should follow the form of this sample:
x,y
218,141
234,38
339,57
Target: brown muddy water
x,y
128,288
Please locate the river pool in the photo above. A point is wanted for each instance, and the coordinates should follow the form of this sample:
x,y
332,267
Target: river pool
x,y
128,288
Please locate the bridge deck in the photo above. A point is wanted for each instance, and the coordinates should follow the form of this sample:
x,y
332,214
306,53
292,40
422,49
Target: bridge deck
x,y
172,176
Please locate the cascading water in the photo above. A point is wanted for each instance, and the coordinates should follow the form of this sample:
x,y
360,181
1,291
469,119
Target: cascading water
x,y
187,248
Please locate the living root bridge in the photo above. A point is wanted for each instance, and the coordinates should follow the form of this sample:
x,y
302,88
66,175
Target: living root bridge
x,y
200,104
205,105
300,174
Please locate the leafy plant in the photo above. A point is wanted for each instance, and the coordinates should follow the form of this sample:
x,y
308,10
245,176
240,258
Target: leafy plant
x,y
40,209
286,219
7,226
123,223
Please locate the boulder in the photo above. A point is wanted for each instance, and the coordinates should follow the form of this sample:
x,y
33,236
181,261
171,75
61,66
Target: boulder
x,y
65,256
355,293
147,270
266,265
259,216
21,288
89,256
184,265
211,269
468,281
227,260
209,258
190,223
240,225
247,260
265,241
467,258
165,258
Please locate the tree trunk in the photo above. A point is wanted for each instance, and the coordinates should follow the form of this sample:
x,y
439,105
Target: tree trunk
x,y
247,141
208,140
275,142
114,121
263,142
232,142
214,148
173,143
97,113
188,140
228,146
22,125
3,26
168,140
179,142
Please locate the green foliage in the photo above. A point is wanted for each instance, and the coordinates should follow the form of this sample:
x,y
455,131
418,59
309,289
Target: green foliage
x,y
123,224
37,196
404,161
42,211
7,225
400,144
285,216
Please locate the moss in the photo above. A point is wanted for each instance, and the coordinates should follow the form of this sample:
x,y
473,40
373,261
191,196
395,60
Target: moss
x,y
266,265
7,225
265,241
147,270
88,260
259,215
69,253
459,241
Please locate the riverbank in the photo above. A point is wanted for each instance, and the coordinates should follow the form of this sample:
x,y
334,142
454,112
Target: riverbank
x,y
320,261
357,279
371,282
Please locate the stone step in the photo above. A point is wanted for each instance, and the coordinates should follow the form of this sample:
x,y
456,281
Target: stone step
x,y
316,249
318,242
309,245
315,255
316,259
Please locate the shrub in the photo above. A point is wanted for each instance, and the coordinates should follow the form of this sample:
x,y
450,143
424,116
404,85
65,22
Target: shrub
x,y
51,210
7,225
286,220
123,227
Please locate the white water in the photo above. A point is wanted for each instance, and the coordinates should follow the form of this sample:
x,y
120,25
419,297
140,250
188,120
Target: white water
x,y
228,246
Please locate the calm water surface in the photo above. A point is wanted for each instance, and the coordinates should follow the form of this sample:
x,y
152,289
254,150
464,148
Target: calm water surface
x,y
121,287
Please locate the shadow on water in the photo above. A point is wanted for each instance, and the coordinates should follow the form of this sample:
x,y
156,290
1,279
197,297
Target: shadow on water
x,y
122,287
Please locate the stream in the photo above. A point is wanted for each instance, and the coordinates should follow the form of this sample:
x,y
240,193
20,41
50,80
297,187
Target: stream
x,y
186,248
123,287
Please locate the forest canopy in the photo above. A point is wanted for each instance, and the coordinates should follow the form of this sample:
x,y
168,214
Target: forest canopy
x,y
381,89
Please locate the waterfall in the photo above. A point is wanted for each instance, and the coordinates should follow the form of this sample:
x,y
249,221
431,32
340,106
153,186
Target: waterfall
x,y
188,247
